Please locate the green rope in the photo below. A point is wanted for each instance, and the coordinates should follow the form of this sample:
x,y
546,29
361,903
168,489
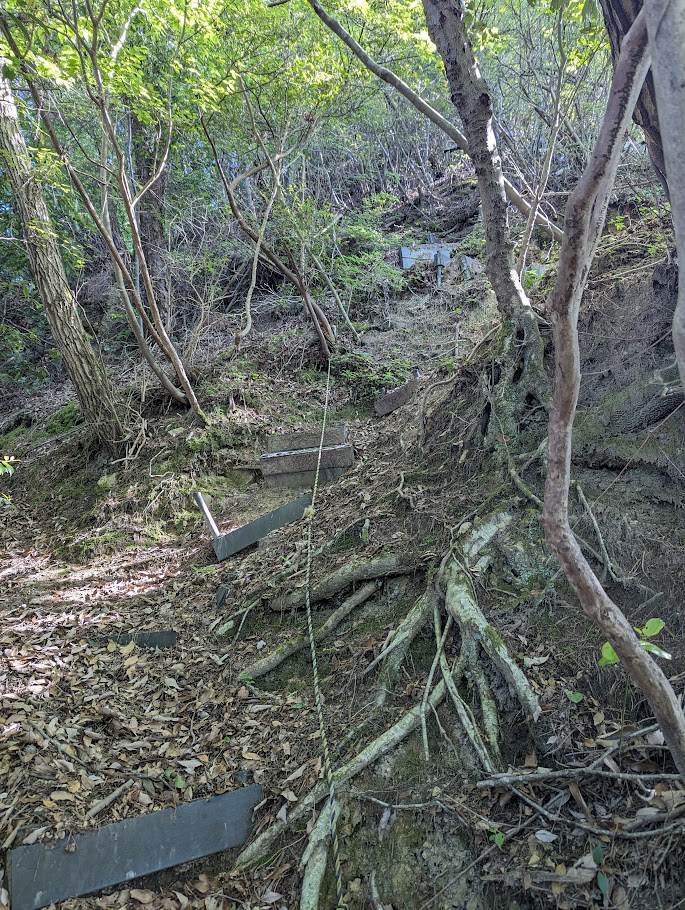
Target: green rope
x,y
328,765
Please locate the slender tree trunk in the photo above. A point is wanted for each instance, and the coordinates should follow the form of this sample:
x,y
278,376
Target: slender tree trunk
x,y
585,216
619,15
151,215
100,404
521,340
471,97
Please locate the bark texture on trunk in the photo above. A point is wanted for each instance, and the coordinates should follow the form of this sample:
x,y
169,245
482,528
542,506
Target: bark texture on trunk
x,y
100,404
471,97
666,27
618,16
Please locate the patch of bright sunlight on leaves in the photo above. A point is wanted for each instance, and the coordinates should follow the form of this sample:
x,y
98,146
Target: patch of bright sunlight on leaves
x,y
651,628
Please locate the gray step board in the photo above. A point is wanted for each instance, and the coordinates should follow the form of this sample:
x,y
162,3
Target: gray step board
x,y
41,874
252,532
336,434
393,400
306,460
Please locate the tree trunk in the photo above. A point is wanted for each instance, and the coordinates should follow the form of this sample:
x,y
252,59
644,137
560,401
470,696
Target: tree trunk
x,y
471,97
100,404
666,26
619,15
521,343
585,216
150,212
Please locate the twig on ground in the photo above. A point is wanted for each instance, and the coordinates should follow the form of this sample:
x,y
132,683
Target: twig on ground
x,y
597,832
504,780
405,807
108,800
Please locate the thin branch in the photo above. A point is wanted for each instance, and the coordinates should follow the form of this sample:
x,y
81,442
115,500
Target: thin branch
x,y
426,109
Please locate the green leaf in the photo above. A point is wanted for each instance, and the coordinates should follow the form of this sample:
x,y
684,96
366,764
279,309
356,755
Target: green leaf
x,y
575,697
180,783
655,649
597,855
609,656
603,883
652,627
497,838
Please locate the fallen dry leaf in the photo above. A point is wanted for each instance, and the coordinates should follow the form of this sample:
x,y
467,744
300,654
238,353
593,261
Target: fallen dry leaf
x,y
142,896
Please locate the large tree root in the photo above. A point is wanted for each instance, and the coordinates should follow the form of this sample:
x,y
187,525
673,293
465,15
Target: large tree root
x,y
463,710
387,741
469,557
462,605
393,656
276,657
345,577
314,860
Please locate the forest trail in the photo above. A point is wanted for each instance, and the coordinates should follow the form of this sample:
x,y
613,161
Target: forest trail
x,y
97,550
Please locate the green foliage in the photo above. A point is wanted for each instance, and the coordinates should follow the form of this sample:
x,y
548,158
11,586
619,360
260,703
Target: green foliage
x,y
497,838
176,779
64,420
602,880
7,463
365,377
363,269
18,347
575,697
651,628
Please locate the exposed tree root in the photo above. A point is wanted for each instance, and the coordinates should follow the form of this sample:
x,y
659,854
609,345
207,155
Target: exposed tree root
x,y
463,710
462,605
314,860
345,577
440,645
393,656
276,657
384,743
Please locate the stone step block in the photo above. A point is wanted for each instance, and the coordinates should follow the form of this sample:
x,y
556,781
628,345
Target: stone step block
x,y
336,434
252,532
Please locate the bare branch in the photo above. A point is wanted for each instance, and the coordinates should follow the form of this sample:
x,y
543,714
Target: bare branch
x,y
585,215
427,110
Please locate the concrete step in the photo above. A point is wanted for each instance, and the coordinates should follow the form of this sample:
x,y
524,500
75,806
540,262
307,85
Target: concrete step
x,y
391,401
